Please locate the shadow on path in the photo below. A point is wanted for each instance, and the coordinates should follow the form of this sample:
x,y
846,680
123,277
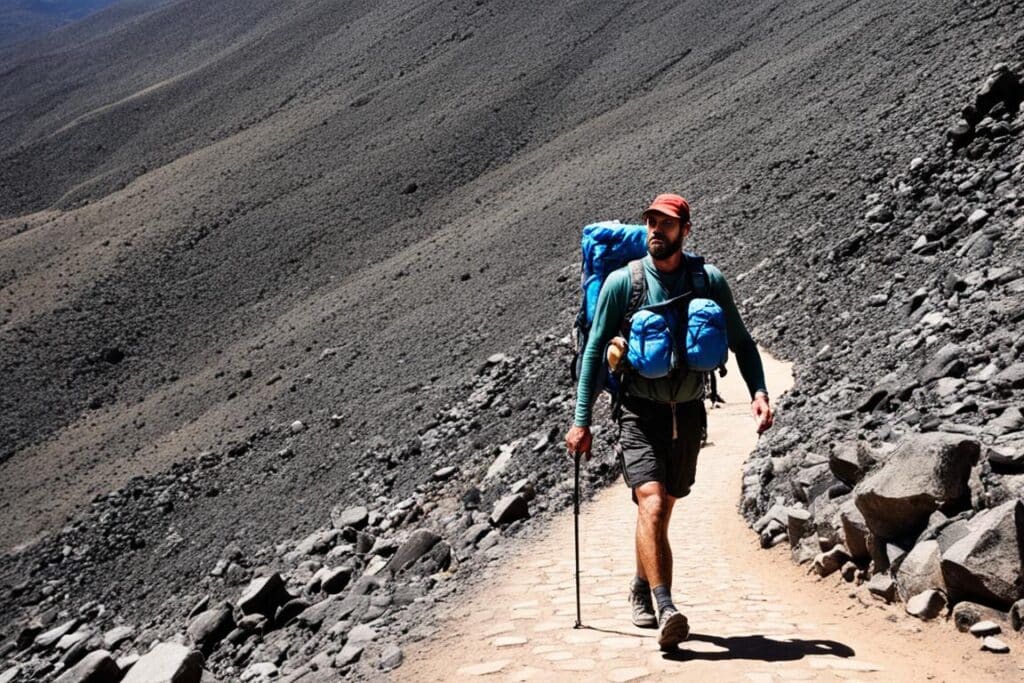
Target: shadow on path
x,y
757,647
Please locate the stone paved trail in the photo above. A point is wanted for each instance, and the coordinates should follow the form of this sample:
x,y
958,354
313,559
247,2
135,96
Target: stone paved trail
x,y
754,615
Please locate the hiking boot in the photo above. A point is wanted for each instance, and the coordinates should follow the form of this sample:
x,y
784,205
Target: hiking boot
x,y
673,628
643,608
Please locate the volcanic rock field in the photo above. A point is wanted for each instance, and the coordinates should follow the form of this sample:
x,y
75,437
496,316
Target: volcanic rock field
x,y
286,292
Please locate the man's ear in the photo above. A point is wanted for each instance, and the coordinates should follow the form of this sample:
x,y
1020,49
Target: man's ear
x,y
687,228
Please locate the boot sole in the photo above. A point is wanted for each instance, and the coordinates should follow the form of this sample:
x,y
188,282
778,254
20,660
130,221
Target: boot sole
x,y
674,631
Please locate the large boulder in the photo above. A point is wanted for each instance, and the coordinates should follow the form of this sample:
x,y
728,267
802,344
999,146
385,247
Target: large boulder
x,y
924,473
985,565
167,663
920,571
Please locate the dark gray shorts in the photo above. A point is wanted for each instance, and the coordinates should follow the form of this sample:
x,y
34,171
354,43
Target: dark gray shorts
x,y
646,450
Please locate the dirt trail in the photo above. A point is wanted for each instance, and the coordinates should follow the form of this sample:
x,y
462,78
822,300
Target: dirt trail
x,y
754,615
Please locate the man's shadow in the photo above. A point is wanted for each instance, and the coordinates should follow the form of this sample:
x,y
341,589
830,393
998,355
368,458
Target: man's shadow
x,y
757,647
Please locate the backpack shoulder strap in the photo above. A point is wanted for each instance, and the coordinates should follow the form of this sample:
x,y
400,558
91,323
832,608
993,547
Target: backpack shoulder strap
x,y
698,276
637,292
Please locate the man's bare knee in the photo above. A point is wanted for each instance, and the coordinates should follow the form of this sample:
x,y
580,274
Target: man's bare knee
x,y
654,503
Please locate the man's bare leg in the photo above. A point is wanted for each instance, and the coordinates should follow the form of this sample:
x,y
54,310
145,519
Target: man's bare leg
x,y
653,552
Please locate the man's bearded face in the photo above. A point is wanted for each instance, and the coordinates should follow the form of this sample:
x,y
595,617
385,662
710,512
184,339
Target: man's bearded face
x,y
664,235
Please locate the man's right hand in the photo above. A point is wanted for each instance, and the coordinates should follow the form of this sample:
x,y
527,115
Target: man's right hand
x,y
579,440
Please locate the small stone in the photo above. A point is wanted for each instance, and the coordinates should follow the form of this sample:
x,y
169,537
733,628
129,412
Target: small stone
x,y
390,658
977,218
496,358
882,586
297,426
985,628
210,627
926,605
356,517
993,644
50,638
361,635
1017,616
509,509
829,562
167,663
879,214
348,655
116,636
334,581
445,473
95,667
264,595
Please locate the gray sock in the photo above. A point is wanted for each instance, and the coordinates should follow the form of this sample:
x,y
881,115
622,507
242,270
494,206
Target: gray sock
x,y
663,597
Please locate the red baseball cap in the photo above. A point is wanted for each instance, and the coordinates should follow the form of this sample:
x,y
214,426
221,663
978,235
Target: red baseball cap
x,y
670,205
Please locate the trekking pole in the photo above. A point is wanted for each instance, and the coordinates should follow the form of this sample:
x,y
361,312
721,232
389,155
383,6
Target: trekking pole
x,y
576,529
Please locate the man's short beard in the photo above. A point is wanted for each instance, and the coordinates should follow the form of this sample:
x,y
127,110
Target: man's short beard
x,y
664,249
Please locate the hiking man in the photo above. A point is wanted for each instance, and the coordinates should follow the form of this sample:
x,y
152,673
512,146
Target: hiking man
x,y
660,420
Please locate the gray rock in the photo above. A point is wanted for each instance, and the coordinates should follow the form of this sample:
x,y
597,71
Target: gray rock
x,y
945,363
210,627
417,545
509,509
882,586
95,667
920,571
879,214
806,550
167,663
361,635
116,636
50,638
1011,377
993,644
335,580
264,595
966,614
850,461
1011,420
797,524
985,565
315,615
11,674
855,531
390,658
926,605
985,628
924,473
444,473
829,562
290,610
1017,616
348,655
1006,459
356,517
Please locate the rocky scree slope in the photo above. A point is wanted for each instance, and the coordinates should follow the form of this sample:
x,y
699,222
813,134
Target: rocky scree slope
x,y
900,460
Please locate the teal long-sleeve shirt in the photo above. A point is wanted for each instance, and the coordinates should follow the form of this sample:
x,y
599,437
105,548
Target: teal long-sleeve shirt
x,y
611,309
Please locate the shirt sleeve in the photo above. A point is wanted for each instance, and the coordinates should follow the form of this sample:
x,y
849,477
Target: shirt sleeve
x,y
611,307
740,341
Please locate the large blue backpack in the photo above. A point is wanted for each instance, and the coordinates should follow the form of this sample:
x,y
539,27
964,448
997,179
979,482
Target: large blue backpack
x,y
657,344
